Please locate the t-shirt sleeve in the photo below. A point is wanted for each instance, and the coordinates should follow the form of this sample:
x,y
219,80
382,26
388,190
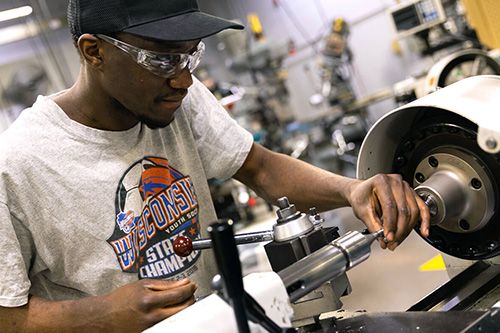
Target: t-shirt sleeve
x,y
14,260
222,143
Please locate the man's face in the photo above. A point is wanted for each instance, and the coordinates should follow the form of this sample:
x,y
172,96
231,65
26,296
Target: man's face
x,y
139,93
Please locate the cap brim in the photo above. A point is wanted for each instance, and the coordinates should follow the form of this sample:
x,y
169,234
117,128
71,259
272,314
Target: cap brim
x,y
185,27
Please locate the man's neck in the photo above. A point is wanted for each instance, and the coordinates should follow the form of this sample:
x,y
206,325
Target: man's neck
x,y
93,108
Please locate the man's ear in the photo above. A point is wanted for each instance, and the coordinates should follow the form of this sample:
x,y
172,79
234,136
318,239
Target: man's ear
x,y
89,46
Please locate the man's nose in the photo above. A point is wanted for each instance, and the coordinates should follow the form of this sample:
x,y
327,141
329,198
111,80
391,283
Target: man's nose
x,y
182,81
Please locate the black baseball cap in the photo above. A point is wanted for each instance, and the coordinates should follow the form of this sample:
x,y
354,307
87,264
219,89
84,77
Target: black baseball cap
x,y
168,20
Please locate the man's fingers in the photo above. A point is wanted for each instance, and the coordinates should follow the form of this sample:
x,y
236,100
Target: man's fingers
x,y
408,214
163,294
401,210
391,198
166,312
177,295
383,244
159,285
372,218
425,217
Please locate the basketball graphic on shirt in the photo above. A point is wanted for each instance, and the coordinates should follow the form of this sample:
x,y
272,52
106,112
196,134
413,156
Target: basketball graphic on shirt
x,y
154,204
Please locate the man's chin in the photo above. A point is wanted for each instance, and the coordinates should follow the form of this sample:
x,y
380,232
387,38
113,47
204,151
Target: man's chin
x,y
155,124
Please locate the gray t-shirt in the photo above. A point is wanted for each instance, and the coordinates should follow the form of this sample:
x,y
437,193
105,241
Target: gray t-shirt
x,y
84,211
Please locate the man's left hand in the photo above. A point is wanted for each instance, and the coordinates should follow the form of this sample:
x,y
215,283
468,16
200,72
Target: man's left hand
x,y
390,199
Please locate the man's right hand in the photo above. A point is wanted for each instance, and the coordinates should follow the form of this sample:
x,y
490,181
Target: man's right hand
x,y
141,304
131,308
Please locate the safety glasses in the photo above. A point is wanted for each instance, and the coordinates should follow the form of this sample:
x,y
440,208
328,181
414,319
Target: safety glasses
x,y
166,65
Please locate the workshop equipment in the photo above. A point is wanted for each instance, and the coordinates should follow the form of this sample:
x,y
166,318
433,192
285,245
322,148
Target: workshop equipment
x,y
446,145
327,263
310,260
310,271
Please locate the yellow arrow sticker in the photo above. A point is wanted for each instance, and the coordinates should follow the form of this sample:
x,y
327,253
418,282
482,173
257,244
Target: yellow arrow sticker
x,y
435,264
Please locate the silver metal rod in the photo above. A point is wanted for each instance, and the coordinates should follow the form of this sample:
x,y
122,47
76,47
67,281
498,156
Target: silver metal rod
x,y
312,271
327,263
252,237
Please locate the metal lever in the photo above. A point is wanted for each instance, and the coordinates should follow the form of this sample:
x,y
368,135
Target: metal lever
x,y
228,263
184,246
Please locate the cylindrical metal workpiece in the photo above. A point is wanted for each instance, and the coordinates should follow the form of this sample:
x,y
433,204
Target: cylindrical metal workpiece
x,y
327,263
446,191
312,271
457,189
355,246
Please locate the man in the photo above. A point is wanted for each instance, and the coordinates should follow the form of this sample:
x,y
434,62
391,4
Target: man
x,y
97,181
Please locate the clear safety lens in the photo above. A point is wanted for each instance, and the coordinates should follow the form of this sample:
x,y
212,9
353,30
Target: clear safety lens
x,y
166,65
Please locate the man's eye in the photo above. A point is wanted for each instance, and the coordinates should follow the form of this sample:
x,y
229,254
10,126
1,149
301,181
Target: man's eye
x,y
167,57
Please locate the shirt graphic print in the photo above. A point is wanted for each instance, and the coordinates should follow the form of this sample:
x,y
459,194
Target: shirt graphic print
x,y
154,205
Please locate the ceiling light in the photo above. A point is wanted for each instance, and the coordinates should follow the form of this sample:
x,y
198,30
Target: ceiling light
x,y
17,32
15,13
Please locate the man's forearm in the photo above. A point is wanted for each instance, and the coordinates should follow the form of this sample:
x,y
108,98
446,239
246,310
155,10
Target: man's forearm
x,y
41,315
272,175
